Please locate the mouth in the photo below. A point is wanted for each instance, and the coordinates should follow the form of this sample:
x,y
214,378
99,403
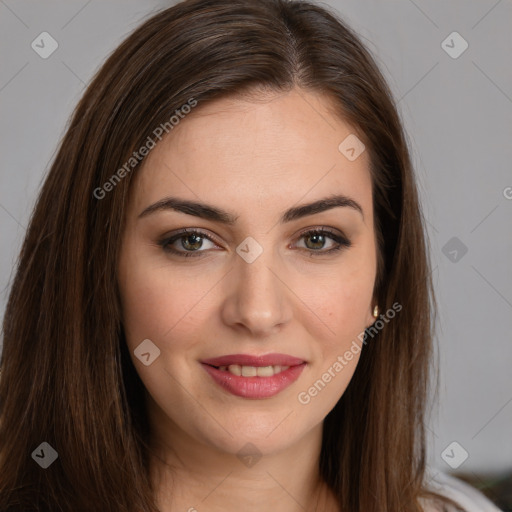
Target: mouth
x,y
254,377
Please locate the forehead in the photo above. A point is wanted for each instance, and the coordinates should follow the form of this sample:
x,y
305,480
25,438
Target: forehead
x,y
273,147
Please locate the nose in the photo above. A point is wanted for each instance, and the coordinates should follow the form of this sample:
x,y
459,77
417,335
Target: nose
x,y
258,299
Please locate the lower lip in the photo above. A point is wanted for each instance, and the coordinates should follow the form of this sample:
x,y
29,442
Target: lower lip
x,y
254,387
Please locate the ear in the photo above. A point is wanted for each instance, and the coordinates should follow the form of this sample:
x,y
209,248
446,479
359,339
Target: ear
x,y
370,318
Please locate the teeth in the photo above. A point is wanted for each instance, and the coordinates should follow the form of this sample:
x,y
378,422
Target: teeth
x,y
249,371
253,371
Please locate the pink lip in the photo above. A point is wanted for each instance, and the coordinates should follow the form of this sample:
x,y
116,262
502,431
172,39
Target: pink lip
x,y
254,387
248,360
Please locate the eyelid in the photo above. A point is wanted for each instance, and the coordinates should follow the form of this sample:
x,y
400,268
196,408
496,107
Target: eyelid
x,y
327,229
190,231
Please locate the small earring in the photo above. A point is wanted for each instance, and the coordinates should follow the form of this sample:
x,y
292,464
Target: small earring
x,y
376,311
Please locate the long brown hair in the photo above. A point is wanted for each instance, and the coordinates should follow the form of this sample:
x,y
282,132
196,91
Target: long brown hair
x,y
67,378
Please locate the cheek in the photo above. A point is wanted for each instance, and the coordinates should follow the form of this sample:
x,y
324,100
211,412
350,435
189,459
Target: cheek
x,y
341,299
348,307
342,310
159,305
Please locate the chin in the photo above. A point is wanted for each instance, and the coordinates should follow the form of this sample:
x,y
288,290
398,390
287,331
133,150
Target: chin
x,y
265,440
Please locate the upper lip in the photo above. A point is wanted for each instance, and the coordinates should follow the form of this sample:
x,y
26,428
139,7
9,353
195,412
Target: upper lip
x,y
249,360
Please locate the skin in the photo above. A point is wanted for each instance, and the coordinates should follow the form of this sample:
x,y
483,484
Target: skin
x,y
255,157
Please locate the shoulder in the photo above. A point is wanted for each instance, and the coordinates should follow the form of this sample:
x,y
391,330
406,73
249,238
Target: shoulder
x,y
469,498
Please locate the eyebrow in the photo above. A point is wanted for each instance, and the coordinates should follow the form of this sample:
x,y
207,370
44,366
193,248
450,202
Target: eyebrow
x,y
215,214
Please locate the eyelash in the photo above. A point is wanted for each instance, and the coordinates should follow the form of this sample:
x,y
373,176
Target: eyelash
x,y
165,243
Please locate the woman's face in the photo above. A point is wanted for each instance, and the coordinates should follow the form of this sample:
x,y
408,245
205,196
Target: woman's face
x,y
262,285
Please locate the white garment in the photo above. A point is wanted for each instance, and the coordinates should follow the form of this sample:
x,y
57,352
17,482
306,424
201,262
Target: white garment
x,y
469,498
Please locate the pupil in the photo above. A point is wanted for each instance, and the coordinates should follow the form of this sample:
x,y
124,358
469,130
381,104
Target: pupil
x,y
198,243
317,237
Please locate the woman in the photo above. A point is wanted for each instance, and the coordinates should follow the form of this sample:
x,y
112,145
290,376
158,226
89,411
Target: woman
x,y
223,300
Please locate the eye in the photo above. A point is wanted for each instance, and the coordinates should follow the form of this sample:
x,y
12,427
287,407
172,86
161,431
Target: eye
x,y
318,237
191,241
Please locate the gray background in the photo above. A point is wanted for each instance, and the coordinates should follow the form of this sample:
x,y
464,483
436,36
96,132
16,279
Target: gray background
x,y
458,115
